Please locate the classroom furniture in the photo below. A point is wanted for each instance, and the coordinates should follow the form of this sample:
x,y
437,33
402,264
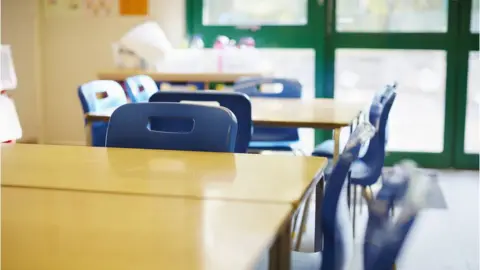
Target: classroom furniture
x,y
337,237
382,252
194,175
201,175
140,88
200,80
97,96
211,129
326,148
271,138
238,103
318,113
63,229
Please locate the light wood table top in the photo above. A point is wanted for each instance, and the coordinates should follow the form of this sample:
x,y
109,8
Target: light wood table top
x,y
325,113
246,177
283,112
121,75
57,230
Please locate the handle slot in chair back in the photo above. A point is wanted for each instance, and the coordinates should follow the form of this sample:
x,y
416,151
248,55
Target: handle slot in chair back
x,y
133,126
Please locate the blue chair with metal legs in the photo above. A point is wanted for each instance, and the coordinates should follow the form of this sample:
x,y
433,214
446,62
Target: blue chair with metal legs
x,y
335,220
140,88
384,238
367,170
97,96
271,138
325,149
212,129
238,103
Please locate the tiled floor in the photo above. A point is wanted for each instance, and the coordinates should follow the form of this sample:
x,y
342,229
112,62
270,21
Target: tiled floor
x,y
442,239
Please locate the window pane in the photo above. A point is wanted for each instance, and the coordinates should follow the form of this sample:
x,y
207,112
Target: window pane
x,y
416,121
254,12
472,144
392,16
474,20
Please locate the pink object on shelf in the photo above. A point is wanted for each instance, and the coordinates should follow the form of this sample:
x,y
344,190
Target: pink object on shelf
x,y
220,44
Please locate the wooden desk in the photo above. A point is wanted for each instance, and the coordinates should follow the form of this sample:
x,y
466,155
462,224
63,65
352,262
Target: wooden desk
x,y
199,175
205,77
300,113
57,230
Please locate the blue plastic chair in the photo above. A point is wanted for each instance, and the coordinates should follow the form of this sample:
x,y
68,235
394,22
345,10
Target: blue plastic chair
x,y
97,96
326,148
212,129
337,237
383,241
367,169
140,88
271,138
238,103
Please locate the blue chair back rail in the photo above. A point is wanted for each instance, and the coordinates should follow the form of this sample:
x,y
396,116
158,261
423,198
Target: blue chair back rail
x,y
338,238
367,171
291,89
140,88
238,103
97,96
213,129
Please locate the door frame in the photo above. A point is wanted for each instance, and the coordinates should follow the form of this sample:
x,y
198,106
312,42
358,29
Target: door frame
x,y
468,42
446,41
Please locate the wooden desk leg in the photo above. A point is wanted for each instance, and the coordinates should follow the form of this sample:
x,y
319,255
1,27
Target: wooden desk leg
x,y
336,139
88,133
318,236
279,258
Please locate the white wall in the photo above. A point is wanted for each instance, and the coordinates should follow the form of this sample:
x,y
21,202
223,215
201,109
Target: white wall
x,y
54,54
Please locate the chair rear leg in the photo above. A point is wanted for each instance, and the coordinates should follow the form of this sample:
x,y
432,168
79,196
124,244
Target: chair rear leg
x,y
354,210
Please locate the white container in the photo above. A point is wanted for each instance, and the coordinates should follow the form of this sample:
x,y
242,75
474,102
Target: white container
x,y
8,77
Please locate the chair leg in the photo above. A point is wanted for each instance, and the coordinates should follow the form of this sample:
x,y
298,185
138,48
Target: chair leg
x,y
303,223
354,209
349,193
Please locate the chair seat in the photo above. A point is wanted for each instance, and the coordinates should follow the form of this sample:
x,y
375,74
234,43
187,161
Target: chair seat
x,y
299,261
325,149
272,145
360,172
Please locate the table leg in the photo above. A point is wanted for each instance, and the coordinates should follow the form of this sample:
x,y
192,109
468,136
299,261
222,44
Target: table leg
x,y
279,258
336,139
318,236
88,133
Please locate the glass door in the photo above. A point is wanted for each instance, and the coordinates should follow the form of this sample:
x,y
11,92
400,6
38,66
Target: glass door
x,y
372,43
467,139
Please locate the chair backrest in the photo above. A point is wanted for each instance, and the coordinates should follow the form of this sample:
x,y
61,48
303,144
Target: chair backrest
x,y
374,157
238,103
212,129
140,88
338,238
101,95
290,89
